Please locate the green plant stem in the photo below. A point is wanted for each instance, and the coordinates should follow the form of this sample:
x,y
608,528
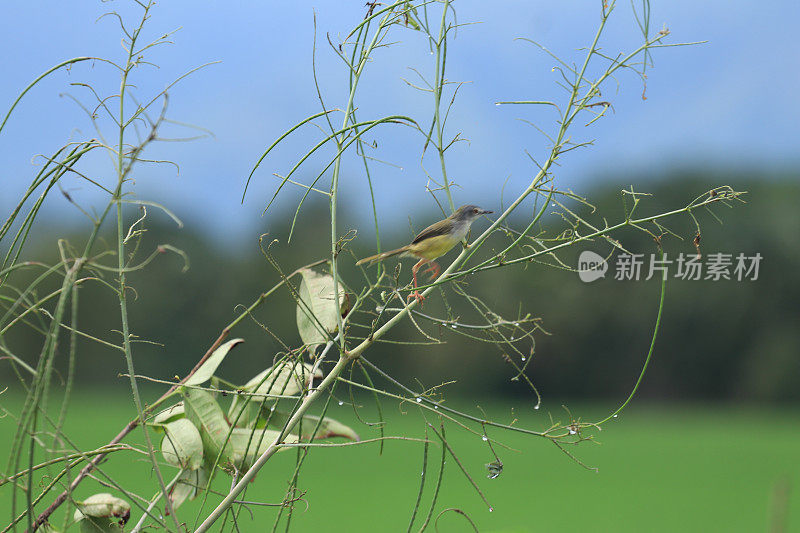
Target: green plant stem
x,y
438,87
40,78
649,353
335,178
41,383
489,264
121,261
80,456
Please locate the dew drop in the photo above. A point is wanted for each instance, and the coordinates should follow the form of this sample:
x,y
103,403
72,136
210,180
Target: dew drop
x,y
454,326
419,400
512,338
616,416
484,438
536,406
523,357
436,407
341,402
497,104
572,431
516,324
491,509
272,408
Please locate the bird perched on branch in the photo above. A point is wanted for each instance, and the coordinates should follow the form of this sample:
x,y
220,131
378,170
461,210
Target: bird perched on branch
x,y
432,242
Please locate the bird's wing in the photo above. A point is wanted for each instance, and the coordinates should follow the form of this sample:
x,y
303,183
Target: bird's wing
x,y
434,230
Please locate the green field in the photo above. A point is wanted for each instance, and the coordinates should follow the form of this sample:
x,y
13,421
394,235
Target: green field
x,y
688,468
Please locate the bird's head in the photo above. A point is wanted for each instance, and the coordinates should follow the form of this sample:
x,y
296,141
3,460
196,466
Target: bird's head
x,y
468,213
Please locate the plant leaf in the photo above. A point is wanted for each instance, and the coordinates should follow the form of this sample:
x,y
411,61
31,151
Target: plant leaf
x,y
182,445
317,312
287,378
102,513
328,428
246,445
208,368
170,414
207,416
188,486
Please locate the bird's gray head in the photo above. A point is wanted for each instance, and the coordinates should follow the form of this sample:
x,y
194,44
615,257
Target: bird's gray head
x,y
468,213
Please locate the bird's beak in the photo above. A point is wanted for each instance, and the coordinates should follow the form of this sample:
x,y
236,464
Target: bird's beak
x,y
485,212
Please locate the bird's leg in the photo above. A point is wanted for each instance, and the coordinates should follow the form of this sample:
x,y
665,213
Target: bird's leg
x,y
434,269
414,271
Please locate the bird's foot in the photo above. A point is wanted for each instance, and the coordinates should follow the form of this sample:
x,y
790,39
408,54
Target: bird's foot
x,y
416,295
433,269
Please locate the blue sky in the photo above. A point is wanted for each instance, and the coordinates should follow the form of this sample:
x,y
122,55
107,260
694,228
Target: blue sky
x,y
730,102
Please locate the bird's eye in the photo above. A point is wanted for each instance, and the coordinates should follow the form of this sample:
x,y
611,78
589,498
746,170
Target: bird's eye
x,y
475,210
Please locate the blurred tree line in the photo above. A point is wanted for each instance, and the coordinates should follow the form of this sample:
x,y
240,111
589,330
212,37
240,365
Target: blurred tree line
x,y
723,339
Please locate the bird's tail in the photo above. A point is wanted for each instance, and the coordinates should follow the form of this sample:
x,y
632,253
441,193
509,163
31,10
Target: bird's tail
x,y
382,256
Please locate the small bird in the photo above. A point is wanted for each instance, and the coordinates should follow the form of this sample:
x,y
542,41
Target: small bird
x,y
434,241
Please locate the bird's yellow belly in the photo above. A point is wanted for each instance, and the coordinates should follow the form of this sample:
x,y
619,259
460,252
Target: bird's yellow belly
x,y
433,247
